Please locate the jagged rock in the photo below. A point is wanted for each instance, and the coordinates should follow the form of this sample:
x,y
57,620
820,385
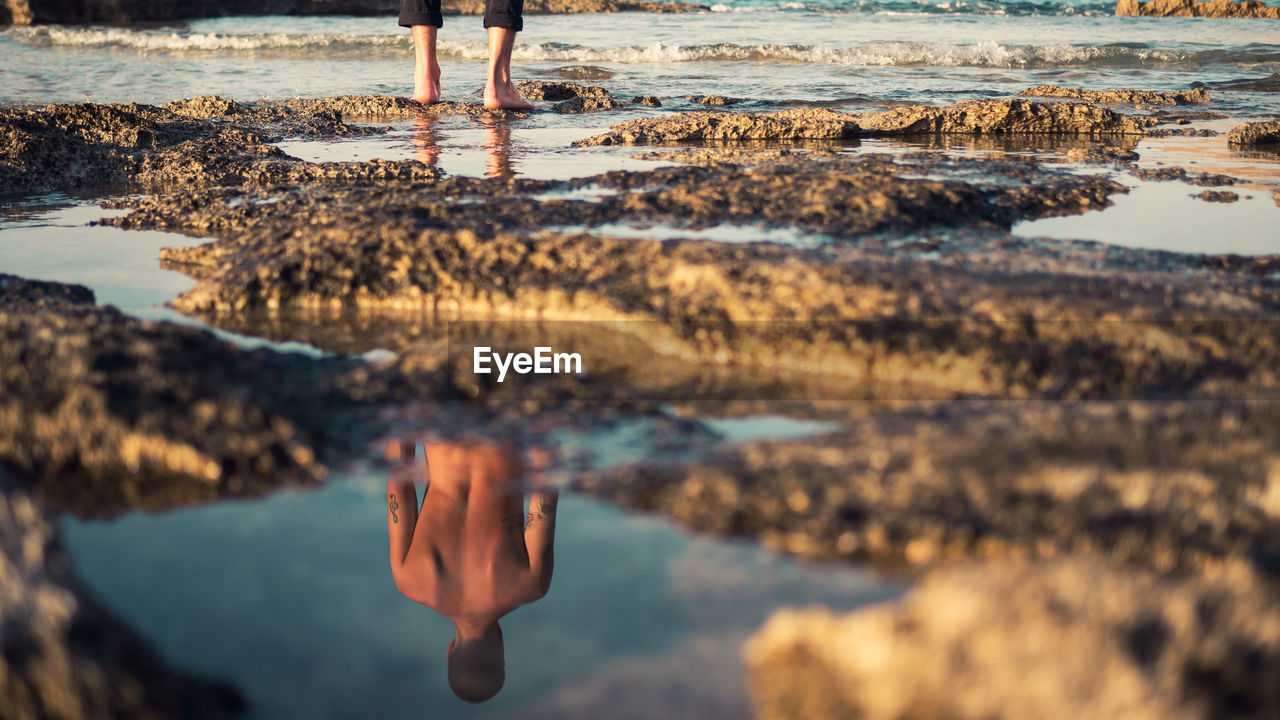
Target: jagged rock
x,y
1255,134
1002,117
543,90
62,655
1192,8
647,100
1056,641
587,104
797,124
1193,96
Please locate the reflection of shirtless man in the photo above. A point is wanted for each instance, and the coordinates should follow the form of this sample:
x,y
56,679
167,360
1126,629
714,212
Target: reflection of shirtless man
x,y
472,554
502,18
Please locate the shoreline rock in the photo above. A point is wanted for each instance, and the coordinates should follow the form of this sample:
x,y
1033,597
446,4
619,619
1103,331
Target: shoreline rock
x,y
1128,96
1255,134
796,124
187,143
1193,8
1009,116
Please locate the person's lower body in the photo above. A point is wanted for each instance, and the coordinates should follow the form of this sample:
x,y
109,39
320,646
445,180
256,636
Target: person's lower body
x,y
502,19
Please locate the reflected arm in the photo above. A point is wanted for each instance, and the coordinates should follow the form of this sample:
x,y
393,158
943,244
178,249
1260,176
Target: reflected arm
x,y
540,535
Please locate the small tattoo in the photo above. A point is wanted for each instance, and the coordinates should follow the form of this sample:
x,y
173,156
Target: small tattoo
x,y
545,510
511,522
393,506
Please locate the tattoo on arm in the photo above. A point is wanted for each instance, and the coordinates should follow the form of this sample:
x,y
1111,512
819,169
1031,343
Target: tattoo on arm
x,y
392,506
544,510
511,522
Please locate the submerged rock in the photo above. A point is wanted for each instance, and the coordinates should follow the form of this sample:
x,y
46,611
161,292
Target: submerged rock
x,y
797,124
1063,640
714,100
1217,196
1255,134
543,90
1004,116
1193,96
1271,83
1167,173
62,655
587,104
1192,8
582,72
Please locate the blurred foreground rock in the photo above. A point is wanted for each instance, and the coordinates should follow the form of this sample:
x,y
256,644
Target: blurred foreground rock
x,y
1061,640
62,656
100,412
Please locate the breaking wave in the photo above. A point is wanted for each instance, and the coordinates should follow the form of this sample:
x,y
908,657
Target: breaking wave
x,y
373,46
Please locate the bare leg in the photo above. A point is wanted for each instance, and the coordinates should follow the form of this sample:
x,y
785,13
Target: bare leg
x,y
426,71
499,92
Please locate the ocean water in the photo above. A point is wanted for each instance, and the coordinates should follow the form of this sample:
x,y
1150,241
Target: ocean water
x,y
827,50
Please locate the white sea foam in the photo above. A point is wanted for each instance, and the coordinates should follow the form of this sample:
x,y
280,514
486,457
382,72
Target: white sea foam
x,y
981,54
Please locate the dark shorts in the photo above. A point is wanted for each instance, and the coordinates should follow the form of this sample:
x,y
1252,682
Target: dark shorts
x,y
497,13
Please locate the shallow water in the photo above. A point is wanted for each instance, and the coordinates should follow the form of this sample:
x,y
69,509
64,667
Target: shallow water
x,y
291,597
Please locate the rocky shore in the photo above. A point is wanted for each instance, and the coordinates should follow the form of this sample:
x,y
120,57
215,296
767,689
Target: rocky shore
x,y
1071,446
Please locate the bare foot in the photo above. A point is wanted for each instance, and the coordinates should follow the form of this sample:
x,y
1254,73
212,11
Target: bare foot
x,y
426,85
504,96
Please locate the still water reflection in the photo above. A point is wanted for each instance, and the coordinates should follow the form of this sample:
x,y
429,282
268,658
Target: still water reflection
x,y
291,597
470,553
